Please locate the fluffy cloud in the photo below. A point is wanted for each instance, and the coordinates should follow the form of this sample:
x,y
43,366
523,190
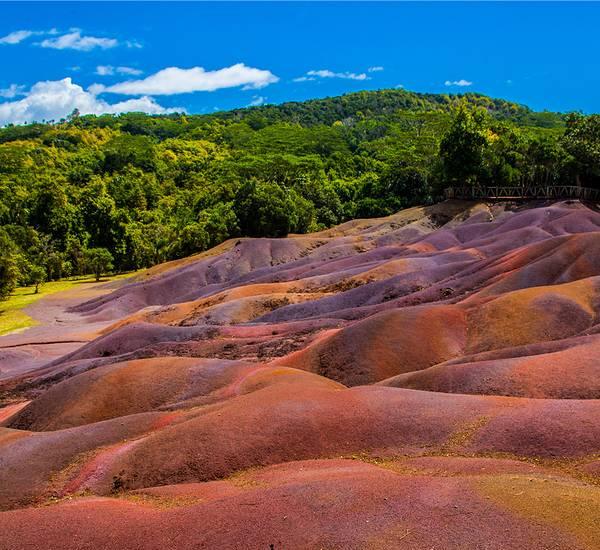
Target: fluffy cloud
x,y
76,41
174,80
325,73
13,90
462,83
16,37
257,100
53,100
105,70
375,69
109,70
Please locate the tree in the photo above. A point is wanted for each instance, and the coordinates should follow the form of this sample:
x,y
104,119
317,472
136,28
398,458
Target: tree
x,y
37,276
74,252
98,261
9,274
547,161
9,269
405,184
127,149
54,263
74,115
270,210
582,141
98,212
462,147
191,239
219,222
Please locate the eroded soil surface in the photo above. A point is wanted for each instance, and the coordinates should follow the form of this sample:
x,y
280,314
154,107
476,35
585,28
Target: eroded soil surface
x,y
426,380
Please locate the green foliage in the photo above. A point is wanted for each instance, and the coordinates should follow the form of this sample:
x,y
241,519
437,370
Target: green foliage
x,y
9,267
37,277
124,150
146,189
99,261
582,141
463,146
266,209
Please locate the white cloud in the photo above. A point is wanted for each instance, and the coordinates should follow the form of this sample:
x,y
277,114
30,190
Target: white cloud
x,y
174,80
326,73
96,89
257,100
13,90
71,40
53,100
376,69
16,37
330,74
105,70
109,70
462,82
129,71
399,86
75,41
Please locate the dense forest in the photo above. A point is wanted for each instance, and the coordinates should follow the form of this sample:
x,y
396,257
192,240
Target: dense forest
x,y
97,193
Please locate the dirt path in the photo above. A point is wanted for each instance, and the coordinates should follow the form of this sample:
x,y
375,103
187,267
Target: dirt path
x,y
59,331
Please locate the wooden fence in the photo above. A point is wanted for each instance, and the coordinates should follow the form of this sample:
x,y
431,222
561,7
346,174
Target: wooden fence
x,y
501,192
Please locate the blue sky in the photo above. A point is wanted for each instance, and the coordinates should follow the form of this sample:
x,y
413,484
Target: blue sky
x,y
206,56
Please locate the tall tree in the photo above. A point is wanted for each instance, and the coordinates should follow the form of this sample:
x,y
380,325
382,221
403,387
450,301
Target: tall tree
x,y
9,269
462,147
582,141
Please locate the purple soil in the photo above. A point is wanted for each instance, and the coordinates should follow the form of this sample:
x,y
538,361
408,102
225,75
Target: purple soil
x,y
193,392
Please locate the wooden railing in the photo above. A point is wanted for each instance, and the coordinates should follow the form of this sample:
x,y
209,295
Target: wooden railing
x,y
525,192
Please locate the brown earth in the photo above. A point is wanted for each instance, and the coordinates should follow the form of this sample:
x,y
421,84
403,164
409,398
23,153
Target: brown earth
x,y
426,380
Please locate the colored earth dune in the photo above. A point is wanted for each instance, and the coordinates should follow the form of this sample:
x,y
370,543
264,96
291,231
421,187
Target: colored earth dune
x,y
426,380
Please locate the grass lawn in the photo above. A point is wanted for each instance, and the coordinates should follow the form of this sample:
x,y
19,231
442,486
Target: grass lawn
x,y
11,316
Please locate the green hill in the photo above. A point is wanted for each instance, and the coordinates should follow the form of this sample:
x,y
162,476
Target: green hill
x,y
153,188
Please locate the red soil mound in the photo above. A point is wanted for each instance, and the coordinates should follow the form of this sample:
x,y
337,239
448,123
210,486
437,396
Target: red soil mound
x,y
205,380
296,421
30,462
385,344
324,504
572,373
164,383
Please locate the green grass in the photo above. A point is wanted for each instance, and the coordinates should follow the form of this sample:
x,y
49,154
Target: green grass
x,y
13,318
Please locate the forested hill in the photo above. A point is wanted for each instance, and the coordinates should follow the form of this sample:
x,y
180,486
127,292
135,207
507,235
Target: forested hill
x,y
124,192
381,105
385,103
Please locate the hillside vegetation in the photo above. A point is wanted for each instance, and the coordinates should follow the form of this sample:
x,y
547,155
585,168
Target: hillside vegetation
x,y
96,193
